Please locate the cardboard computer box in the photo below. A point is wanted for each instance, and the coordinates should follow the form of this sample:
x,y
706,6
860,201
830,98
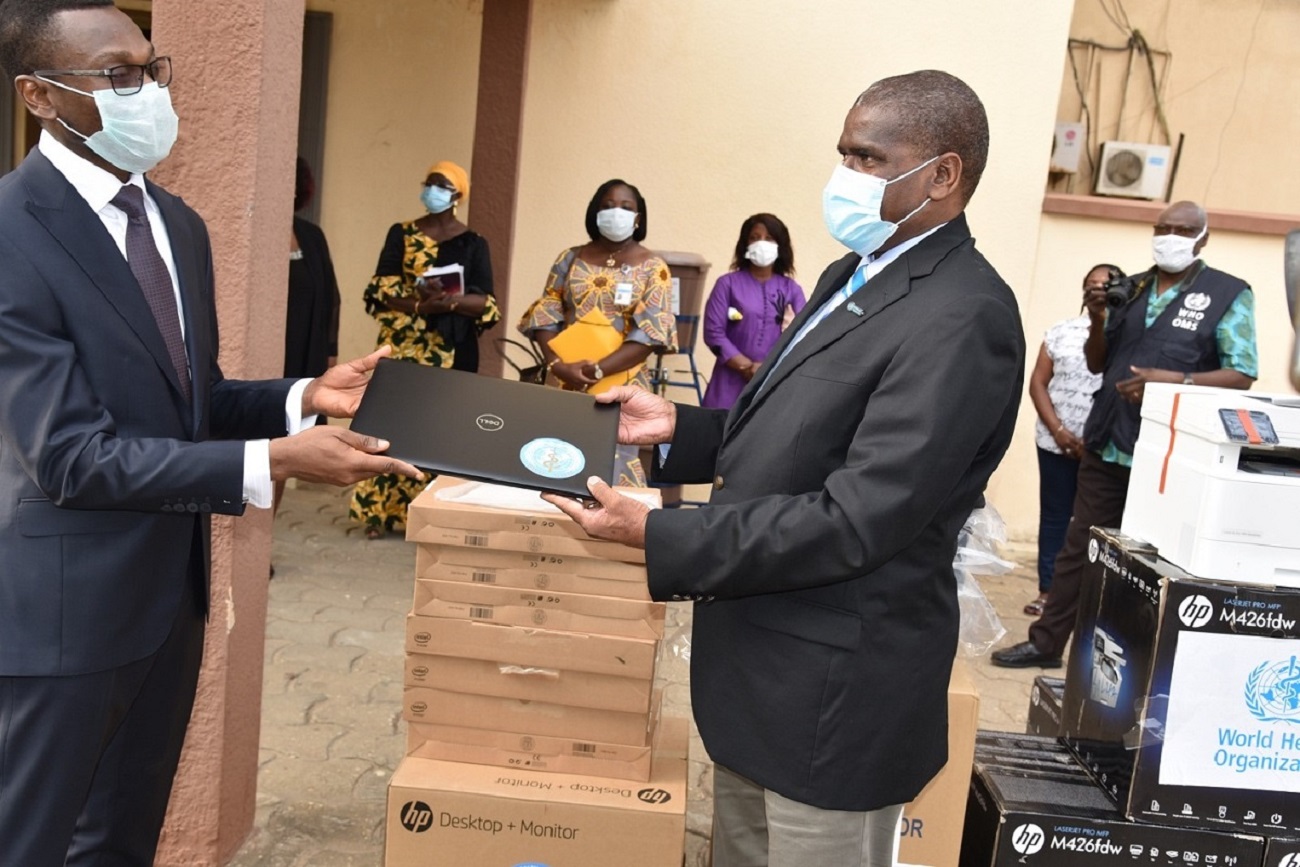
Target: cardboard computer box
x,y
523,645
558,686
467,710
1183,695
537,530
449,814
569,612
528,571
541,752
930,830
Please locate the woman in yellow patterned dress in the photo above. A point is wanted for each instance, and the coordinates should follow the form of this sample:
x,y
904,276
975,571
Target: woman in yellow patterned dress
x,y
626,282
426,319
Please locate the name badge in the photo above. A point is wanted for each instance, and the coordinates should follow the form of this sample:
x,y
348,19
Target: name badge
x,y
623,294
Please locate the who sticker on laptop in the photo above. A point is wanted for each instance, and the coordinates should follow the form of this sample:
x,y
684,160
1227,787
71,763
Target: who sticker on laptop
x,y
552,458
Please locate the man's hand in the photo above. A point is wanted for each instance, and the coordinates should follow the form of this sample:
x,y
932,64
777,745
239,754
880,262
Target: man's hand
x,y
337,392
612,517
1132,389
334,456
645,420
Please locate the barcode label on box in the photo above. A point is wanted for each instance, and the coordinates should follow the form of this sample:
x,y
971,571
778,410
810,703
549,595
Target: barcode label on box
x,y
475,540
483,577
480,612
587,750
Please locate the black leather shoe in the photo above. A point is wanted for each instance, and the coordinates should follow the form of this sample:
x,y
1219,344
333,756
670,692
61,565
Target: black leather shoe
x,y
1024,655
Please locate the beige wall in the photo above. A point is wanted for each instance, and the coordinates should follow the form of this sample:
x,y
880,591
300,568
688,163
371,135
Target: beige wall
x,y
1231,88
402,85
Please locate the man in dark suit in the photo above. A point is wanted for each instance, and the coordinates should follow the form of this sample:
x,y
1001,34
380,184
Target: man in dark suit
x,y
826,613
119,438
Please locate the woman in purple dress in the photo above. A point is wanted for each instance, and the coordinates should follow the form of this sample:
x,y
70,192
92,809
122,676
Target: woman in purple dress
x,y
749,306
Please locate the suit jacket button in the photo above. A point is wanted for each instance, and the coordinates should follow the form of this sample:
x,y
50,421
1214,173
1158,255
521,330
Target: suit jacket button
x,y
166,507
191,507
718,483
677,597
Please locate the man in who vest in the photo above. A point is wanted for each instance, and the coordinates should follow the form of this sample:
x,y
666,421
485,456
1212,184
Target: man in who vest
x,y
1185,322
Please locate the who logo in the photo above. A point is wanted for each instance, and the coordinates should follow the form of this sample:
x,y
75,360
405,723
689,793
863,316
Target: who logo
x,y
416,817
1195,611
1028,839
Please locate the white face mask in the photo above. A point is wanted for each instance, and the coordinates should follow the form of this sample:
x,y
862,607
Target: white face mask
x,y
137,132
762,253
616,224
851,208
1174,253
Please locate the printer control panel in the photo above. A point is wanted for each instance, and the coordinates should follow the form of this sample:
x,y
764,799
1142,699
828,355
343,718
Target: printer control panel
x,y
1248,426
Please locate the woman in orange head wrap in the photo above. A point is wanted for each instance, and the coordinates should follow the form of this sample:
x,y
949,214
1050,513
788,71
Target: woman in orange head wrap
x,y
432,319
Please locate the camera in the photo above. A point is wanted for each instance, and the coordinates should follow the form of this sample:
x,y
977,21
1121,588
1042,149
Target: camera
x,y
1119,290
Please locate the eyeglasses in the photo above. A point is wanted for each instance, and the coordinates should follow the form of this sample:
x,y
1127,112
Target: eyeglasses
x,y
127,79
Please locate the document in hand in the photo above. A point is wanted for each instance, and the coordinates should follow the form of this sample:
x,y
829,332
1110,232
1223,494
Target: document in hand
x,y
591,338
489,429
452,277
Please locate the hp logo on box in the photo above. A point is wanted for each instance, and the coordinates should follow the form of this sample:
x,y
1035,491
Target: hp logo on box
x,y
1195,611
416,817
1291,859
1028,839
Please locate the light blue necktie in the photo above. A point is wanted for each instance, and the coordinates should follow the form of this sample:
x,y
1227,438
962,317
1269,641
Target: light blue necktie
x,y
856,282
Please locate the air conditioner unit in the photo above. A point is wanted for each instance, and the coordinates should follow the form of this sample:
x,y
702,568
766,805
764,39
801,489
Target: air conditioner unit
x,y
1131,169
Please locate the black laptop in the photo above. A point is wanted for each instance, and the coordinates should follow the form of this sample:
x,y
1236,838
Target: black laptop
x,y
493,430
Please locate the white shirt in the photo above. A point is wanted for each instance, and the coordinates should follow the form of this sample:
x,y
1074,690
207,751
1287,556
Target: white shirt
x,y
98,187
1072,385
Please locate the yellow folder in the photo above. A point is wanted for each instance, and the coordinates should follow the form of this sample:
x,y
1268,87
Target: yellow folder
x,y
591,338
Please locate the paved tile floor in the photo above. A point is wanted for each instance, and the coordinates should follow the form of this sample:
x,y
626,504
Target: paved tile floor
x,y
331,717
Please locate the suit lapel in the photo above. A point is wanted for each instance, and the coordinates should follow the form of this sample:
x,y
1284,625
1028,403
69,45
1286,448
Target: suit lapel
x,y
882,290
66,216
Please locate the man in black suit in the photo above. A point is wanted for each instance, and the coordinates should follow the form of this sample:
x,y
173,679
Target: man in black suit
x,y
826,613
119,438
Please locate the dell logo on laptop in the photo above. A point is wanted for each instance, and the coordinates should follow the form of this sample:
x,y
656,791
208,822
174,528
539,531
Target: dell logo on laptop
x,y
489,422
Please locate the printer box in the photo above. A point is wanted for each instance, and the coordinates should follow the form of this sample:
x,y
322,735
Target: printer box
x,y
1215,484
449,814
529,646
1045,698
930,830
568,612
1014,817
530,683
526,570
537,752
1183,695
467,710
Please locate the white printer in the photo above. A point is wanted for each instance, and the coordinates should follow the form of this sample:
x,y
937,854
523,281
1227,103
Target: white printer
x,y
1216,483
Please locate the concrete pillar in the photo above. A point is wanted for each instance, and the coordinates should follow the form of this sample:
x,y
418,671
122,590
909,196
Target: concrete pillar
x,y
237,68
498,130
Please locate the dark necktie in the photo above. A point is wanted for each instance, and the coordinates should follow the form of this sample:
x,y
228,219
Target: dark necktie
x,y
151,273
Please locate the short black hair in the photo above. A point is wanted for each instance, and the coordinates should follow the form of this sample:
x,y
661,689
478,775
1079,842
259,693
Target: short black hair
x,y
784,263
593,208
26,32
938,113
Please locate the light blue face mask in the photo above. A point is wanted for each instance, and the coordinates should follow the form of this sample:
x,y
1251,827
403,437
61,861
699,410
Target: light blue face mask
x,y
137,131
851,208
436,199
